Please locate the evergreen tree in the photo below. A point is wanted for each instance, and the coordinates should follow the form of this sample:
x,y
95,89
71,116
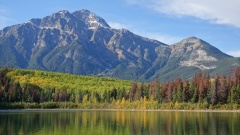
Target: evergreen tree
x,y
179,93
236,76
114,93
175,95
164,89
154,87
142,91
63,96
56,96
213,94
186,94
137,95
120,94
191,90
195,96
170,91
133,91
223,91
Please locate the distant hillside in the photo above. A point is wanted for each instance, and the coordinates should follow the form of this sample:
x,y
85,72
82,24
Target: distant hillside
x,y
83,43
68,82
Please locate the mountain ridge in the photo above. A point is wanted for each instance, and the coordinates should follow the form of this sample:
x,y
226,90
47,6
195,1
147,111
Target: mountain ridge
x,y
83,43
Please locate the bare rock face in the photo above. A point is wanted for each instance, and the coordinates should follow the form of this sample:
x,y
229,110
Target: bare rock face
x,y
195,52
83,43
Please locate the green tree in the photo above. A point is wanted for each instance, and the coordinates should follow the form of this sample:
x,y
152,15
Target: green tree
x,y
114,93
191,90
142,90
175,95
186,93
195,96
179,93
233,96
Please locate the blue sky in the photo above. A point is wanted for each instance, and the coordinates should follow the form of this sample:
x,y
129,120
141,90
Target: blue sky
x,y
169,21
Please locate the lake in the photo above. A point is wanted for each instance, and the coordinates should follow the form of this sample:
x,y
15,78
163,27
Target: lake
x,y
91,122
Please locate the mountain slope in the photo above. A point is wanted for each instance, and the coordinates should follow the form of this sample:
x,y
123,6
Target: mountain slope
x,y
194,55
83,43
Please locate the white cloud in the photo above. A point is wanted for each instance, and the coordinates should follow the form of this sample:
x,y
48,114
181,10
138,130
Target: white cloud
x,y
216,11
235,53
117,25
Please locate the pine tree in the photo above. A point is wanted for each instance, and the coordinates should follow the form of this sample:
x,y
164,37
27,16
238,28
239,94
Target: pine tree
x,y
174,95
217,86
223,91
179,93
213,93
234,96
186,94
170,91
195,96
120,94
191,90
142,90
133,91
137,95
63,96
114,93
236,76
164,89
154,87
201,91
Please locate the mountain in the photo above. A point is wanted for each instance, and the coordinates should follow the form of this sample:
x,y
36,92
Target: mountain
x,y
195,55
83,43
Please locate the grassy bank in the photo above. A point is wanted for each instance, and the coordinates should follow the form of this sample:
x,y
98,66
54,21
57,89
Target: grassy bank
x,y
137,105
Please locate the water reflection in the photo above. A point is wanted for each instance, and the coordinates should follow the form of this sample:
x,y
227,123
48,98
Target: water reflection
x,y
118,122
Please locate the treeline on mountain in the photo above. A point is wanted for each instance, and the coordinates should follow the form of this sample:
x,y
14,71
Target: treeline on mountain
x,y
38,89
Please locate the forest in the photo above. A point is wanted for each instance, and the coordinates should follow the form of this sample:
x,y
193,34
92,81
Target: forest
x,y
23,89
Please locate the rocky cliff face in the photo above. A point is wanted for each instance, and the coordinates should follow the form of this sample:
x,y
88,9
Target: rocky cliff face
x,y
195,52
83,43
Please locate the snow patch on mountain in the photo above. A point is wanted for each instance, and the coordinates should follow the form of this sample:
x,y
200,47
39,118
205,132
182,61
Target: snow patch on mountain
x,y
94,21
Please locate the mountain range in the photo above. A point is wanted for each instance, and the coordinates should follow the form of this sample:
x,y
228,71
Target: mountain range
x,y
83,43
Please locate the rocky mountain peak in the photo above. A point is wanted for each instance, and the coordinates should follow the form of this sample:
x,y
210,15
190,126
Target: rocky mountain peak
x,y
83,43
56,20
195,52
91,19
62,14
63,21
191,40
191,44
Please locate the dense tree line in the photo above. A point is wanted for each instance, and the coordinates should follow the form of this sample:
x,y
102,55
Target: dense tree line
x,y
14,91
201,89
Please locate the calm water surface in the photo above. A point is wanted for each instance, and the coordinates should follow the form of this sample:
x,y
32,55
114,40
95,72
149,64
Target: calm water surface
x,y
82,122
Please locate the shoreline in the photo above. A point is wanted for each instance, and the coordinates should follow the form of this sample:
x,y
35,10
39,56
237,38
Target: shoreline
x,y
114,110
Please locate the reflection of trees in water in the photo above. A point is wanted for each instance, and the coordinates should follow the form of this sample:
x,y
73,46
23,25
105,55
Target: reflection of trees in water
x,y
111,122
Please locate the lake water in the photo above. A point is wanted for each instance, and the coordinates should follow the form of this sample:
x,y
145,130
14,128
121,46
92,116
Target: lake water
x,y
83,122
